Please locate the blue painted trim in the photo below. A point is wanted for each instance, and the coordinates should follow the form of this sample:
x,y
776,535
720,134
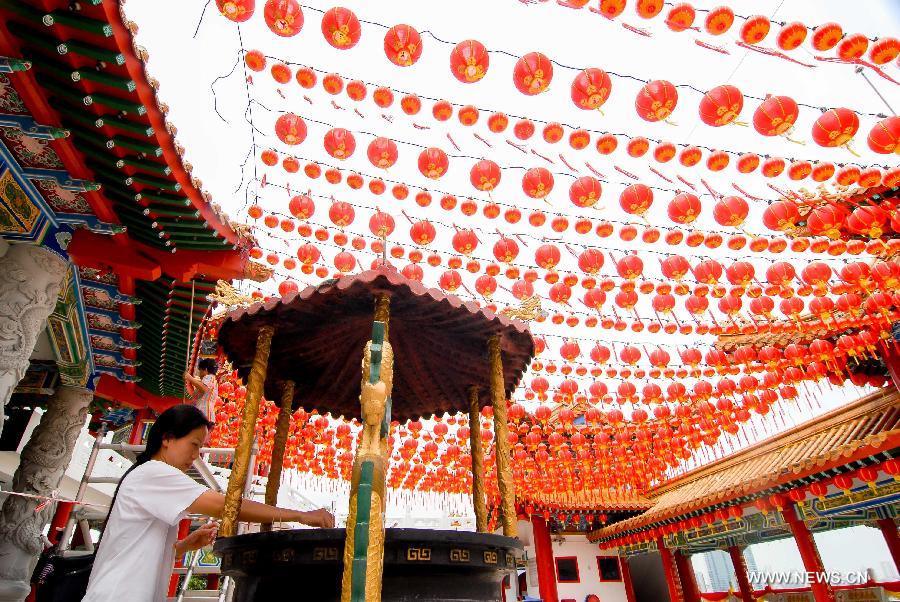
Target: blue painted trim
x,y
16,170
60,176
114,293
82,319
27,125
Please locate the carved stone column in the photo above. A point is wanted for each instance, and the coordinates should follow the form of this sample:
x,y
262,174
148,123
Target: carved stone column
x,y
41,466
30,280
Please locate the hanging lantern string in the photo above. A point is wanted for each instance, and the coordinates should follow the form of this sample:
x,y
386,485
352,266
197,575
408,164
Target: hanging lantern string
x,y
543,121
544,239
515,56
577,128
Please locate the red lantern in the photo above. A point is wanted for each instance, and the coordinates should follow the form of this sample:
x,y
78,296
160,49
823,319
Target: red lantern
x,y
537,182
506,250
236,10
825,37
469,61
791,35
341,214
775,116
681,17
630,267
532,73
721,105
636,199
344,262
433,163
283,17
781,216
684,208
382,152
590,88
290,129
302,207
381,224
835,127
403,45
590,261
731,211
755,29
656,100
853,47
341,28
339,143
308,254
485,175
719,20
884,50
547,256
884,138
450,280
585,191
465,241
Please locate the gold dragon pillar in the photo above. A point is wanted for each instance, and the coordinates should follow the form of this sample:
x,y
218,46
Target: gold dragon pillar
x,y
364,545
477,453
501,436
278,447
246,432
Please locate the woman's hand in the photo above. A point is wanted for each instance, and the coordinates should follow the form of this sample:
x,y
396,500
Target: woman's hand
x,y
200,538
321,518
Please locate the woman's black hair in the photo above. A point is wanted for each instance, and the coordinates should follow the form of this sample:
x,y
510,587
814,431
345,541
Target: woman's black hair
x,y
176,422
208,364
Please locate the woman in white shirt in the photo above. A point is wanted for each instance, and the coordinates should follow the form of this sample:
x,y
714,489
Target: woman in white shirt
x,y
139,544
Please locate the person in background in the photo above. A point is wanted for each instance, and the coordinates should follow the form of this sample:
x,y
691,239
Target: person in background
x,y
140,542
203,388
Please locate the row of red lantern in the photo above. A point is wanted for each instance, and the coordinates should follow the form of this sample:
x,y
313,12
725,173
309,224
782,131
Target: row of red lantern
x,y
814,279
844,482
775,116
683,17
533,72
538,182
428,452
728,211
834,220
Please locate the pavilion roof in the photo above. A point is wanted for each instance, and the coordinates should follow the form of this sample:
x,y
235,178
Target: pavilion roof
x,y
440,344
864,428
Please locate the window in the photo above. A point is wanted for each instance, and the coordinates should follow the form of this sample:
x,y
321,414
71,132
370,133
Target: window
x,y
608,566
567,569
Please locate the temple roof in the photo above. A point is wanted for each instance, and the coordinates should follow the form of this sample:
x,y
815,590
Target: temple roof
x,y
89,145
440,344
864,428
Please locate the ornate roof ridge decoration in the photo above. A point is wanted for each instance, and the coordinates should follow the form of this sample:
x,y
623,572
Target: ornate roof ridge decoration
x,y
863,428
89,74
241,231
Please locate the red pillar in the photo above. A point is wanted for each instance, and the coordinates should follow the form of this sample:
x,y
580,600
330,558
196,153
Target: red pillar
x,y
184,528
891,358
812,562
671,571
58,524
625,570
740,571
889,530
137,430
686,576
543,556
212,581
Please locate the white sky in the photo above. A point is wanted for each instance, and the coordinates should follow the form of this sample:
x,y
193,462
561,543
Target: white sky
x,y
187,66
